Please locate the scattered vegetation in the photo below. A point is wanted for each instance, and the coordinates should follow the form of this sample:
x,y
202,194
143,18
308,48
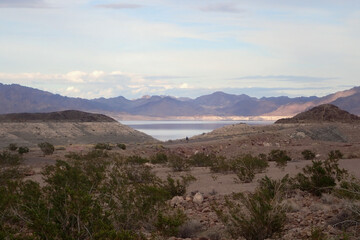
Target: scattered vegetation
x,y
308,154
9,158
46,148
89,196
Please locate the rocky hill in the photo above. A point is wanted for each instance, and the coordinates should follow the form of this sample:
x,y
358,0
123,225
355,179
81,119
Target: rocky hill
x,y
322,113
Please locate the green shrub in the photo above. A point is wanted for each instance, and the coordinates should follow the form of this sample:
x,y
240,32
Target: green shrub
x,y
121,146
247,166
136,160
103,146
12,147
178,187
320,177
318,234
257,215
279,156
335,155
23,150
168,223
221,165
159,158
178,163
9,158
46,148
202,160
308,155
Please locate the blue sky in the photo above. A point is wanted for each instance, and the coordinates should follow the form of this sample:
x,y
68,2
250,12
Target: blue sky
x,y
90,49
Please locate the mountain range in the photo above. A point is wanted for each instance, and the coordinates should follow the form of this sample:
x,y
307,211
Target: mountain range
x,y
17,99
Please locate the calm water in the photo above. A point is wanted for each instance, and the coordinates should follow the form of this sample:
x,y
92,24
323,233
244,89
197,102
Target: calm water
x,y
171,130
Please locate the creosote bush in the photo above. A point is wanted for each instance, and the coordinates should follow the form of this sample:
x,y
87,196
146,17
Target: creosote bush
x,y
159,158
168,223
257,215
103,146
320,177
23,150
9,158
247,166
280,157
12,147
335,155
121,146
308,154
178,163
46,148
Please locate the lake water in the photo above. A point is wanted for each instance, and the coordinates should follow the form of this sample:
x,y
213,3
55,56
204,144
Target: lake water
x,y
171,130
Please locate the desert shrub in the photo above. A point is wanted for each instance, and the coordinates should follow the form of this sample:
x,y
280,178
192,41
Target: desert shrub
x,y
279,156
93,154
320,177
168,223
46,148
257,215
12,147
135,159
273,187
335,155
202,160
9,158
23,150
178,163
121,146
247,166
221,165
177,187
349,188
159,158
103,146
308,154
189,229
318,234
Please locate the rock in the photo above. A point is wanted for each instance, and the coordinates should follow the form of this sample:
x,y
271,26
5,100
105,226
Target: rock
x,y
198,198
177,200
150,165
300,135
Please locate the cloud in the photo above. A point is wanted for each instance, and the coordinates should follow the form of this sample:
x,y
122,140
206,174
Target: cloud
x,y
287,78
119,6
22,4
222,7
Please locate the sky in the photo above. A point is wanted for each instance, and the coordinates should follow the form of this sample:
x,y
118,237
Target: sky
x,y
187,48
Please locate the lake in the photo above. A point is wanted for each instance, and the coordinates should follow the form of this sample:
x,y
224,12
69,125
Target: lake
x,y
171,130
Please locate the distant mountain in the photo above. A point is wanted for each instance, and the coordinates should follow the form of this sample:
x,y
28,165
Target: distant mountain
x,y
16,99
322,113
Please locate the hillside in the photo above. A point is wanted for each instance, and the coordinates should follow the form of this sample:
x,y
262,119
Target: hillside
x,y
65,128
16,99
63,116
322,113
